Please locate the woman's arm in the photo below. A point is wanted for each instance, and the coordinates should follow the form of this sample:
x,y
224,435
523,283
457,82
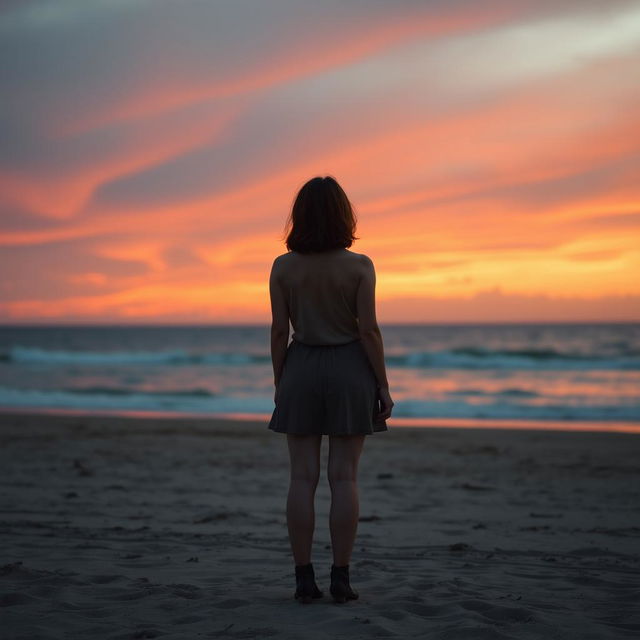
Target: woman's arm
x,y
279,322
368,325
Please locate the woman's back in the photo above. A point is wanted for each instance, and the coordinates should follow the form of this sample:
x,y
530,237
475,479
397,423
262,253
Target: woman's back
x,y
321,291
331,378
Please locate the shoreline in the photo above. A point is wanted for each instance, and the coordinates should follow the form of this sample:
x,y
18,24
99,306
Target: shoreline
x,y
414,423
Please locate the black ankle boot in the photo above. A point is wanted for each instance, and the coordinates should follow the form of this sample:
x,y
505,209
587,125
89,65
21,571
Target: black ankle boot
x,y
306,587
340,588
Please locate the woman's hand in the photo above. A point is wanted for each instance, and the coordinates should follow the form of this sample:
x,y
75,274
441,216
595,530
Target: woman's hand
x,y
386,403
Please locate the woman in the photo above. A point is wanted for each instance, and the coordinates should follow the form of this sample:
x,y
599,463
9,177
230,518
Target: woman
x,y
331,379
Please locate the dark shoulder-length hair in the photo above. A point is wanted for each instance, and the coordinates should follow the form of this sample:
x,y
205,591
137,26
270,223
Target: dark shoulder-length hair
x,y
322,218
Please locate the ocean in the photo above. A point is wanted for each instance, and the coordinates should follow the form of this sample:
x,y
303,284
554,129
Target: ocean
x,y
538,375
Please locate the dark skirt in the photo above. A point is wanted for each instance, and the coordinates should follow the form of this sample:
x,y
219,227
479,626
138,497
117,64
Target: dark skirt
x,y
327,389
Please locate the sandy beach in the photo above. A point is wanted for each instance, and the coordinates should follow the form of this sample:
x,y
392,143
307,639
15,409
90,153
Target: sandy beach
x,y
117,527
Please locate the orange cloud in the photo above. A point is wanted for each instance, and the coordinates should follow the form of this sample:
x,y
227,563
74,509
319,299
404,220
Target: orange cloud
x,y
306,53
482,203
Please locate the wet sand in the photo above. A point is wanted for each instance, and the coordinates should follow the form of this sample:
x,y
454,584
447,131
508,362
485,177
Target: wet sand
x,y
115,527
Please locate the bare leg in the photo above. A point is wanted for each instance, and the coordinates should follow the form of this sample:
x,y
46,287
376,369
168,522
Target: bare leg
x,y
304,458
344,455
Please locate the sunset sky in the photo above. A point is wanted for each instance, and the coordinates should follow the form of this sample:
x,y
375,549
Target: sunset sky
x,y
150,152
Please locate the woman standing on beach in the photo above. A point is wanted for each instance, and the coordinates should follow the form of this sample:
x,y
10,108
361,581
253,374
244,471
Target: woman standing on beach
x,y
331,378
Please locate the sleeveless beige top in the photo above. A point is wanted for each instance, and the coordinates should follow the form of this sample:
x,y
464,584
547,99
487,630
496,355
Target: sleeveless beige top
x,y
321,291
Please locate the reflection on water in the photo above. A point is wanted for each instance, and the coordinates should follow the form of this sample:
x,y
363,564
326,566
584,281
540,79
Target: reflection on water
x,y
579,373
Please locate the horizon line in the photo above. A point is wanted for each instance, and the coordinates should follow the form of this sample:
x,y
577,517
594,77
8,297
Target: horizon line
x,y
267,324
